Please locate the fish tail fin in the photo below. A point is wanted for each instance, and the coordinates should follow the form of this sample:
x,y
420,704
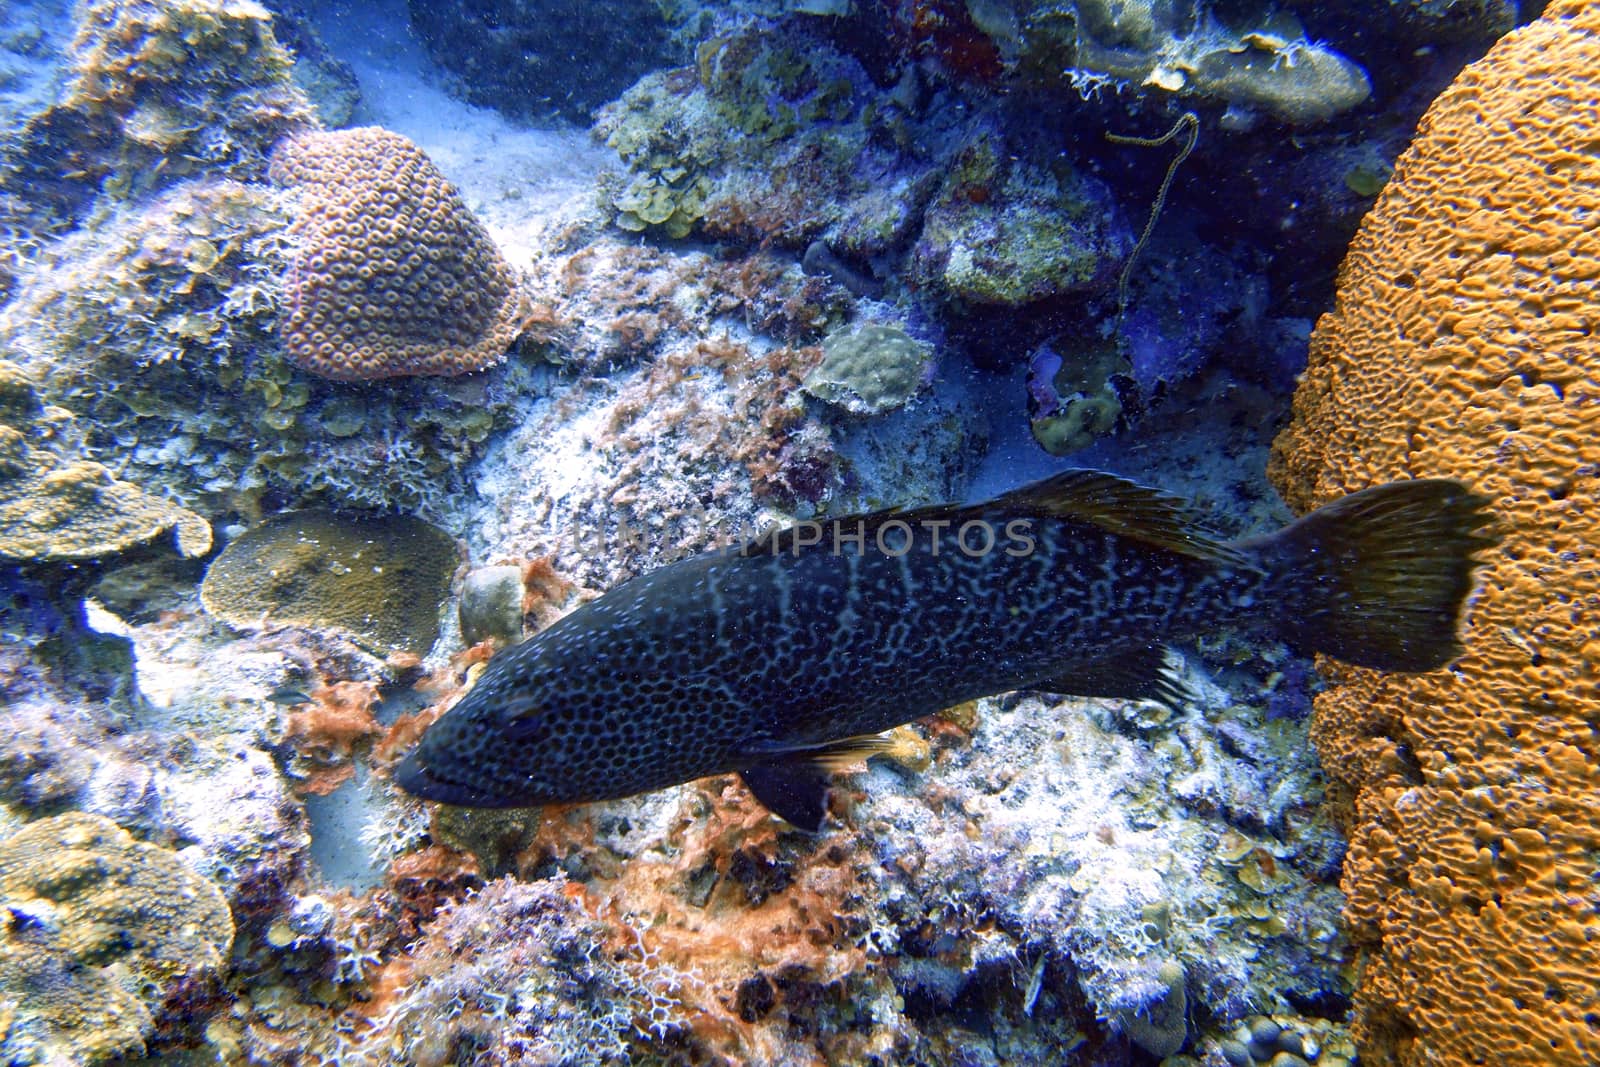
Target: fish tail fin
x,y
1379,578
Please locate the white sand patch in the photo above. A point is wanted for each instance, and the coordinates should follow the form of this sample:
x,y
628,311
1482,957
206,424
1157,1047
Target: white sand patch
x,y
519,180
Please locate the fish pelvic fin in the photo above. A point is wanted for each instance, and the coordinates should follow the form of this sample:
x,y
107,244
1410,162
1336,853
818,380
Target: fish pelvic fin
x,y
793,783
1380,578
1145,672
793,790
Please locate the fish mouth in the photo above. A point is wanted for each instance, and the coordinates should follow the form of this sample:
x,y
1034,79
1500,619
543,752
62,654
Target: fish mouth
x,y
413,775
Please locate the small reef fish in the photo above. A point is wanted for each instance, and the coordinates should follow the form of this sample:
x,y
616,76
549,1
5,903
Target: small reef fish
x,y
780,659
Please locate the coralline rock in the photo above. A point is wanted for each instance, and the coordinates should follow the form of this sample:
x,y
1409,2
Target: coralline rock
x,y
1264,62
869,370
491,605
620,475
100,928
1112,853
1005,231
1463,344
56,506
381,581
517,973
393,275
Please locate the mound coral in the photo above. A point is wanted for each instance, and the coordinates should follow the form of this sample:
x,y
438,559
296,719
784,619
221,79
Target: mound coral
x,y
870,370
379,581
1466,343
394,276
99,930
56,505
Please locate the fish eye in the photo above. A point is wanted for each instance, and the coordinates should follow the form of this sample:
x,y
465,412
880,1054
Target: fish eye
x,y
522,718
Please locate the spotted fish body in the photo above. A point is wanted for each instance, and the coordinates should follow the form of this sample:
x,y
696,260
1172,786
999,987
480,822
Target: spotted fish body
x,y
776,658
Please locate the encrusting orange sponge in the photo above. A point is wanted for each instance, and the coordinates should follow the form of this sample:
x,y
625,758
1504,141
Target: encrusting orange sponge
x,y
1465,343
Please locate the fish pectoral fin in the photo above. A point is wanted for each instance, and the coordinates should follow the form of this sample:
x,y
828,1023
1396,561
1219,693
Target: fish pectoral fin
x,y
793,782
1151,672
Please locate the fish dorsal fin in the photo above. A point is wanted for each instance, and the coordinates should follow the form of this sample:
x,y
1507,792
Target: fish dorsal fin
x,y
1116,505
793,782
1119,506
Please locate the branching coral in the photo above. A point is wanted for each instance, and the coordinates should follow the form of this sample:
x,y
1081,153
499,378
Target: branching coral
x,y
1464,344
394,275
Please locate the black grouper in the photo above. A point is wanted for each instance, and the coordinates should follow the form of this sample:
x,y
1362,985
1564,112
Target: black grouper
x,y
781,658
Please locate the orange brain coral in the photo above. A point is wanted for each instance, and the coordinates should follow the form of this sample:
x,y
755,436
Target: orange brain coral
x,y
1466,342
393,276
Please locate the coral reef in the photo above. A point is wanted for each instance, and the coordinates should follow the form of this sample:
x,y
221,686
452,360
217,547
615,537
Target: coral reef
x,y
772,135
100,930
542,60
158,92
391,274
1462,344
56,505
379,581
158,326
821,231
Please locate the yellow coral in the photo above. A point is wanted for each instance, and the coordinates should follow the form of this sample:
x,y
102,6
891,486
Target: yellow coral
x,y
394,275
1466,343
380,581
55,505
96,929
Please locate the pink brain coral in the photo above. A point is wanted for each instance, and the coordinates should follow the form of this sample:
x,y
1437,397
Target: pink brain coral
x,y
393,275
